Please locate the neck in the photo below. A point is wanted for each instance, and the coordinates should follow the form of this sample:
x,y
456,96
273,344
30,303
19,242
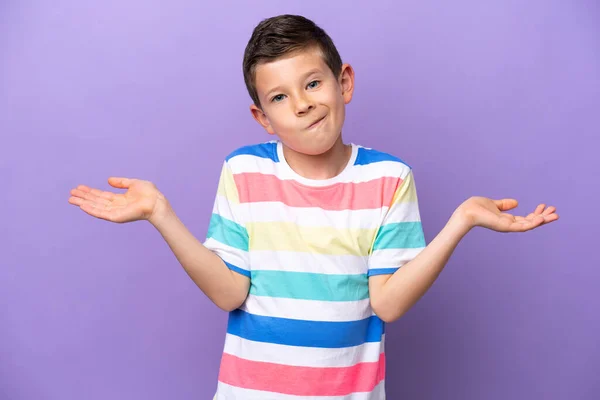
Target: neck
x,y
323,166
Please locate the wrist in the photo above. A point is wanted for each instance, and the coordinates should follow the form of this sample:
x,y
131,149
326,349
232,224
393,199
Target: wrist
x,y
162,211
461,222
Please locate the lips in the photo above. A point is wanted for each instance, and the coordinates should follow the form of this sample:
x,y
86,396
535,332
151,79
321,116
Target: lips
x,y
317,122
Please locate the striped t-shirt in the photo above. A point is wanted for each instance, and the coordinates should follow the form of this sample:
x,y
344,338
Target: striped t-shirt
x,y
306,329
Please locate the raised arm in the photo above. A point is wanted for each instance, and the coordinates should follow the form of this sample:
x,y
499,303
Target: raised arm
x,y
143,201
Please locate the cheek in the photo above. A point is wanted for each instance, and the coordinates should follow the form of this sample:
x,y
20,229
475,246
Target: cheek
x,y
330,96
282,120
341,112
335,102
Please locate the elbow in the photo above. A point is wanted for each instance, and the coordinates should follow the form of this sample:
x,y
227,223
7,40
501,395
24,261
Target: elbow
x,y
233,301
389,317
385,313
229,305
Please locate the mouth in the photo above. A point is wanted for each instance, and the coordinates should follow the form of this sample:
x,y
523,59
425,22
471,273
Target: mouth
x,y
316,123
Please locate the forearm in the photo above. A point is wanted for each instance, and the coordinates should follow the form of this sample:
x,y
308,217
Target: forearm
x,y
225,288
409,283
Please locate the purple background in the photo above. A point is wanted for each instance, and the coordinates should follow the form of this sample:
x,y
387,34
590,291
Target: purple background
x,y
499,100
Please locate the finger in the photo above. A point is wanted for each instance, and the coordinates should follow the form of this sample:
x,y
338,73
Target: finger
x,y
526,225
121,183
77,201
78,193
531,218
84,188
89,196
550,218
549,210
506,204
539,209
542,219
105,195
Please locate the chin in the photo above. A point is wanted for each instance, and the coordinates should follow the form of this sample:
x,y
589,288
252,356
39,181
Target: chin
x,y
315,149
310,143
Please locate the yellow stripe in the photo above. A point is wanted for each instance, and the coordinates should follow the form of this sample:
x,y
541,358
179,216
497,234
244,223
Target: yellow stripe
x,y
406,192
227,186
287,236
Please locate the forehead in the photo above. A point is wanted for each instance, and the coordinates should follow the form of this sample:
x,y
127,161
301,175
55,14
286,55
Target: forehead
x,y
289,69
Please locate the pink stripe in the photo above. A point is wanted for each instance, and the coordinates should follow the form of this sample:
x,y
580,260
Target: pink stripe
x,y
301,381
257,187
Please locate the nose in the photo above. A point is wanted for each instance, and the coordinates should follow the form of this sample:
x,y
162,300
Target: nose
x,y
303,105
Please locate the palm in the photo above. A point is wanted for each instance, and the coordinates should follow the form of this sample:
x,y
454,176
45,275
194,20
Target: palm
x,y
138,202
490,214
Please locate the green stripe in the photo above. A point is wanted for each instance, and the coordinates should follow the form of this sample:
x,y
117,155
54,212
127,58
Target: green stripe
x,y
228,232
401,235
309,286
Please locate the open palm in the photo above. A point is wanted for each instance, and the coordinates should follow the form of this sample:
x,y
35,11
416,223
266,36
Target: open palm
x,y
137,203
491,214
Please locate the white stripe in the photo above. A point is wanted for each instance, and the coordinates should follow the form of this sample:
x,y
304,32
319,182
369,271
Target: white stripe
x,y
381,169
229,210
222,207
392,258
404,212
229,254
273,211
291,261
303,356
247,163
308,310
228,392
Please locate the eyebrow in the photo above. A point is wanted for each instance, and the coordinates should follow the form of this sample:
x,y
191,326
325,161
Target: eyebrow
x,y
278,88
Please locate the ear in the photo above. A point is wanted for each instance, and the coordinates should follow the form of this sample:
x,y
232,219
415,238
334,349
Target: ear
x,y
261,118
346,81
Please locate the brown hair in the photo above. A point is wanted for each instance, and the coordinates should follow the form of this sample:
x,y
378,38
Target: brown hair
x,y
281,35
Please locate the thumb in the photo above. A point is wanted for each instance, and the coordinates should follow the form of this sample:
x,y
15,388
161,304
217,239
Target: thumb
x,y
506,204
121,183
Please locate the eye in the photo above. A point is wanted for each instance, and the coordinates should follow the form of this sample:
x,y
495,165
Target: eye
x,y
313,84
277,99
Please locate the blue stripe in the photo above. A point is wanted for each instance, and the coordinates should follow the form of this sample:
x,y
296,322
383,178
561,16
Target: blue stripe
x,y
293,332
227,232
309,286
382,271
237,269
368,156
263,150
401,235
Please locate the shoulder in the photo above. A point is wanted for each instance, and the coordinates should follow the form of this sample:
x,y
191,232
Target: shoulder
x,y
385,163
266,150
261,157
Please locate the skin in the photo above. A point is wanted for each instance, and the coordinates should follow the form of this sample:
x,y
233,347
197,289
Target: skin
x,y
303,103
295,92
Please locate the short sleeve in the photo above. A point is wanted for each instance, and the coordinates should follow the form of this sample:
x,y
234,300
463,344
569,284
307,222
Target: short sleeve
x,y
227,235
400,237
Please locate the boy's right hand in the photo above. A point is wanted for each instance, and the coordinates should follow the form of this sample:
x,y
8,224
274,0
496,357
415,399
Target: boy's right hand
x,y
142,200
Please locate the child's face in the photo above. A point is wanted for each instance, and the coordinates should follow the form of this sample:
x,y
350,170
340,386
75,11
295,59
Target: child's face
x,y
302,101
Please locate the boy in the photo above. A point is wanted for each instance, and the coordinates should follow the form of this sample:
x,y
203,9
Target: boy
x,y
313,244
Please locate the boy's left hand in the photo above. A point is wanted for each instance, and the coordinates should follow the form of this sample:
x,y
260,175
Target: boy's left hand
x,y
488,213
